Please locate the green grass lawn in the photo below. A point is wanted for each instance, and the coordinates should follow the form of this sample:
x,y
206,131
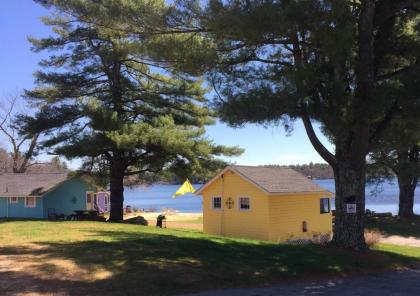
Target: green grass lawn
x,y
120,259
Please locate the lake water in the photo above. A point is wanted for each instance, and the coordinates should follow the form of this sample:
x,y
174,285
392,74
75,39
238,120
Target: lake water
x,y
159,197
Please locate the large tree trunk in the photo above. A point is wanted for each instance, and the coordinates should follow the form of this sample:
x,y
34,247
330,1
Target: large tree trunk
x,y
407,175
350,177
407,187
349,189
407,183
117,192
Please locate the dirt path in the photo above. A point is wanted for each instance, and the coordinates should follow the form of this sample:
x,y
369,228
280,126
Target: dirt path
x,y
195,226
37,275
399,240
374,237
401,283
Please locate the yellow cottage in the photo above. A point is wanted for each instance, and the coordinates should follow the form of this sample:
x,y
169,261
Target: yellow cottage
x,y
267,203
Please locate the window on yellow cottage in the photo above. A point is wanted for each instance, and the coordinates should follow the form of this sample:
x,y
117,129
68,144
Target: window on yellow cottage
x,y
13,200
325,205
30,202
244,203
216,203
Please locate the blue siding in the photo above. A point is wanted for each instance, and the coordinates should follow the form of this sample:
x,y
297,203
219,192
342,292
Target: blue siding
x,y
18,210
3,207
68,197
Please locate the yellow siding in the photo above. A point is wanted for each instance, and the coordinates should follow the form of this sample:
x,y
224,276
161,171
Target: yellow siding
x,y
234,222
288,212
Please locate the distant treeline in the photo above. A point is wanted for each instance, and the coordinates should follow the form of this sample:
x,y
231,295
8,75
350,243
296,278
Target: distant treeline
x,y
55,165
311,170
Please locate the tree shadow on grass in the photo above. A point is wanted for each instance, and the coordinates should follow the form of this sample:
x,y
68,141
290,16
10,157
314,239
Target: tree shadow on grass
x,y
395,226
156,264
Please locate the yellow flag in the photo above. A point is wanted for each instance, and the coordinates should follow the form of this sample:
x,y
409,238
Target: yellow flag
x,y
185,188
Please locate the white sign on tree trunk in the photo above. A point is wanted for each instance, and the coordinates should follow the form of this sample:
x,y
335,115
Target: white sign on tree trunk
x,y
351,208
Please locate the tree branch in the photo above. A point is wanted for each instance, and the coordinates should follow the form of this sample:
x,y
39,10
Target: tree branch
x,y
316,143
395,73
381,126
36,163
29,153
386,9
140,171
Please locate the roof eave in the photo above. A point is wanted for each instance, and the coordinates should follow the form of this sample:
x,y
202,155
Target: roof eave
x,y
200,190
301,192
42,194
230,168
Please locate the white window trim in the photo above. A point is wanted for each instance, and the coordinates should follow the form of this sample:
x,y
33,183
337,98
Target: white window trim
x,y
11,201
212,203
91,201
239,204
107,201
26,202
329,205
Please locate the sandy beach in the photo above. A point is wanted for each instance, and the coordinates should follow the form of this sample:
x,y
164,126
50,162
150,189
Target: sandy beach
x,y
173,219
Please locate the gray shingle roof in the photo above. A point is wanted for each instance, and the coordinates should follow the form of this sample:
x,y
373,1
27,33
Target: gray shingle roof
x,y
277,179
36,184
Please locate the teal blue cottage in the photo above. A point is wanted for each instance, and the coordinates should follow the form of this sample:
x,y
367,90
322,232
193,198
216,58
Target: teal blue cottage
x,y
36,195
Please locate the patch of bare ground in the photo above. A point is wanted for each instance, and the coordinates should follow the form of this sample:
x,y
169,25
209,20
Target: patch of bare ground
x,y
30,270
394,230
171,224
399,240
192,221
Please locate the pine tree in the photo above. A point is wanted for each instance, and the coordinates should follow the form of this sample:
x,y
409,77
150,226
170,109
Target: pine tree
x,y
333,62
398,154
102,97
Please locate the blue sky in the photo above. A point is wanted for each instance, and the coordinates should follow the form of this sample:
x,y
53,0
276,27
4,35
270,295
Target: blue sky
x,y
21,18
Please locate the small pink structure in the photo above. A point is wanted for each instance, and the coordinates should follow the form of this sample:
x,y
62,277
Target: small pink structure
x,y
98,201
